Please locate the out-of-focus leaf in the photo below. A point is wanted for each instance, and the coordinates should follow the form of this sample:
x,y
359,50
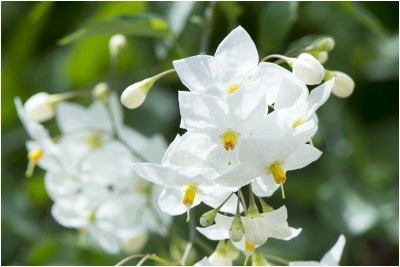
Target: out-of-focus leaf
x,y
307,41
176,15
275,22
364,17
385,64
145,25
232,11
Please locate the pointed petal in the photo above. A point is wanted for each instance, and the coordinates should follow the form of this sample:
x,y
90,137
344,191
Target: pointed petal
x,y
214,195
301,157
291,92
332,257
236,54
200,112
203,262
318,96
158,174
197,73
264,186
240,175
107,240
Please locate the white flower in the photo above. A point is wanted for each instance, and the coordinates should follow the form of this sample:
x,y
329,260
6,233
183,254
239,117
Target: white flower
x,y
331,258
294,106
270,224
218,258
233,66
271,158
225,122
40,107
308,69
117,43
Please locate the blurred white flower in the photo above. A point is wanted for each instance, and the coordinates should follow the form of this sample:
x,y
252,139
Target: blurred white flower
x,y
331,258
116,44
40,107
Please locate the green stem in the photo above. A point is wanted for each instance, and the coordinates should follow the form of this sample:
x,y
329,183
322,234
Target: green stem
x,y
243,201
125,260
277,259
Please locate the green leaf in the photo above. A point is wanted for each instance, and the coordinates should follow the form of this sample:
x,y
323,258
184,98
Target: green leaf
x,y
232,11
145,25
276,20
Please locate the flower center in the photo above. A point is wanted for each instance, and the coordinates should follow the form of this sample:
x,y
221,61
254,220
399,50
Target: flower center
x,y
248,247
90,216
229,138
233,87
188,199
94,141
297,123
35,155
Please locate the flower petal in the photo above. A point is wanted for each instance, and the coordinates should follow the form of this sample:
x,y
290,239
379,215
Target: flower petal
x,y
332,257
301,157
158,174
319,95
197,73
264,186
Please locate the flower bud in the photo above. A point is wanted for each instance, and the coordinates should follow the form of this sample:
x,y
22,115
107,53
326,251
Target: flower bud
x,y
258,260
101,91
344,84
322,56
236,230
255,230
135,94
324,44
116,44
265,206
219,256
208,218
307,69
231,251
40,107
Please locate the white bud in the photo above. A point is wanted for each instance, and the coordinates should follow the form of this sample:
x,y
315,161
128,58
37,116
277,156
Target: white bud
x,y
101,91
134,95
219,259
40,107
308,69
236,230
255,230
344,84
322,57
117,43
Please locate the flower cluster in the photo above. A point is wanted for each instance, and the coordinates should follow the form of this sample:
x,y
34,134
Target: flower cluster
x,y
248,123
87,170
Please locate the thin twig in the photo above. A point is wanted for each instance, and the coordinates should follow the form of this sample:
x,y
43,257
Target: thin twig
x,y
143,259
192,235
123,261
277,259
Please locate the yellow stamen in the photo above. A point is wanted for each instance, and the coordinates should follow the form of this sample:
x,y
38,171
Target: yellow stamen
x,y
33,157
233,87
278,174
188,199
297,123
248,247
229,141
230,138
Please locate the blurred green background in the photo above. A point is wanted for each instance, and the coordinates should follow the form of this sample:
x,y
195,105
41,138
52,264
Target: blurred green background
x,y
353,188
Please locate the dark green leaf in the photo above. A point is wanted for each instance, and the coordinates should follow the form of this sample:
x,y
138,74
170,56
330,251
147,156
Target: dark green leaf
x,y
275,22
145,25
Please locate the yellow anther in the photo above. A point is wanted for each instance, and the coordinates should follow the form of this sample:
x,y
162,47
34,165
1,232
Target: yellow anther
x,y
233,87
188,199
248,247
297,123
229,137
229,141
278,174
35,155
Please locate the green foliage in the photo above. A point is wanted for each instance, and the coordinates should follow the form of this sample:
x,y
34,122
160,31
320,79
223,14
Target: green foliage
x,y
145,25
353,188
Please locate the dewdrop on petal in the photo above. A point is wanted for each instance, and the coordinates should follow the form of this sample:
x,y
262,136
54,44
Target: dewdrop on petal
x,y
307,69
40,107
344,84
117,43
